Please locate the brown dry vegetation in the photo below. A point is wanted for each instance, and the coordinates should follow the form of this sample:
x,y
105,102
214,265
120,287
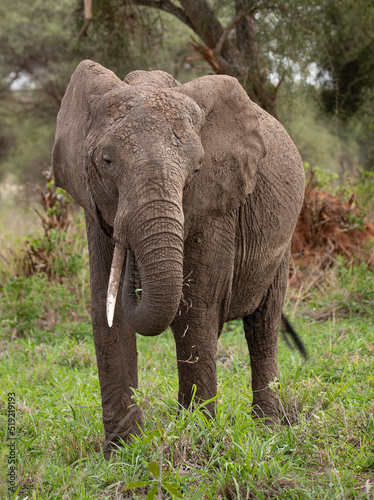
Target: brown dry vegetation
x,y
328,226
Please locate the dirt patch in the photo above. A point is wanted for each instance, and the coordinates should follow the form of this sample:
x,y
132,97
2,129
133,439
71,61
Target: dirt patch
x,y
329,226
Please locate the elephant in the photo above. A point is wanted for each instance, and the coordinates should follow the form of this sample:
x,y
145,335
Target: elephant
x,y
191,193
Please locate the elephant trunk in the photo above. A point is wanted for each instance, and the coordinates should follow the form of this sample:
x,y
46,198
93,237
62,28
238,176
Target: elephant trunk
x,y
156,255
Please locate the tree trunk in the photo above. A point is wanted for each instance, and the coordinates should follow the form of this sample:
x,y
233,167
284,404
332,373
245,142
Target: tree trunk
x,y
255,80
238,57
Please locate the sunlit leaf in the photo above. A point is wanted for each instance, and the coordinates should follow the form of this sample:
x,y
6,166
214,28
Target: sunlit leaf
x,y
154,468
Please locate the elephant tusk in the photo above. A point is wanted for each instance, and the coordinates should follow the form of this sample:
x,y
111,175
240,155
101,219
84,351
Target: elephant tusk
x,y
114,279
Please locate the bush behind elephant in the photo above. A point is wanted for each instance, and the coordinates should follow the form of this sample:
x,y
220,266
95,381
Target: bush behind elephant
x,y
181,185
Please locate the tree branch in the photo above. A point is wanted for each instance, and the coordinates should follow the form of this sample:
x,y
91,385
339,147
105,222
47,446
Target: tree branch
x,y
280,82
87,18
228,29
167,6
204,21
208,55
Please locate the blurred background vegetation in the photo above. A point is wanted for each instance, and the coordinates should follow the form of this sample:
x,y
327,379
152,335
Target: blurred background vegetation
x,y
311,64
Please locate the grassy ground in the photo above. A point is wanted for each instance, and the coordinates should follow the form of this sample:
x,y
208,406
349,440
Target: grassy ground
x,y
48,362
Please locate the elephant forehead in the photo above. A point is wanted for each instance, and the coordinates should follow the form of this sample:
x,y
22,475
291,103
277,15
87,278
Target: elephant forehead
x,y
145,110
173,105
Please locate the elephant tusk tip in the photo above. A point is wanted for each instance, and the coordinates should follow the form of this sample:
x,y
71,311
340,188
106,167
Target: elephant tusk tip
x,y
111,303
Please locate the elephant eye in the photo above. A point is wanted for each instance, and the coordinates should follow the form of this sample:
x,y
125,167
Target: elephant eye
x,y
107,159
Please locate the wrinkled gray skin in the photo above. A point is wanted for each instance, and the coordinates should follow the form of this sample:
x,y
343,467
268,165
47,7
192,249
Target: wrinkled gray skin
x,y
199,191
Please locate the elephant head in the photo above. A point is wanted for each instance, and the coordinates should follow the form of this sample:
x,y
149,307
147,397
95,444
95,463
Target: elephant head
x,y
149,159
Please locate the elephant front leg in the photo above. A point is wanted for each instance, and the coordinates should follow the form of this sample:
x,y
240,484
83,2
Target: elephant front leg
x,y
208,271
196,346
115,347
117,366
261,332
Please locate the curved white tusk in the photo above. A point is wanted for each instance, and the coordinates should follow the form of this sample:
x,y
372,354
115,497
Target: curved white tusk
x,y
114,279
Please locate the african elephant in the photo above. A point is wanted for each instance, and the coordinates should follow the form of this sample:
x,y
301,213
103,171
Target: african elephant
x,y
191,194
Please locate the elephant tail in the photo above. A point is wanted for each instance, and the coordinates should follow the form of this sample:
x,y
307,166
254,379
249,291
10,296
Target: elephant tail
x,y
289,332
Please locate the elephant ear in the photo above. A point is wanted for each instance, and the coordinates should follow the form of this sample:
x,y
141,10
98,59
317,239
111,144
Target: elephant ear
x,y
80,106
233,147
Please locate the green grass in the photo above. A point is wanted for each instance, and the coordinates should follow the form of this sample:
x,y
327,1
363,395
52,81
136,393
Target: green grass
x,y
48,361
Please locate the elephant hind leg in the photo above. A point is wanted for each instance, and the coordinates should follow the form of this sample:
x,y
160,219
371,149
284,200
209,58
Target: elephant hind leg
x,y
261,332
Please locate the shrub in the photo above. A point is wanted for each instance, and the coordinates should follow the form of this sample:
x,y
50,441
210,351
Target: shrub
x,y
56,252
53,253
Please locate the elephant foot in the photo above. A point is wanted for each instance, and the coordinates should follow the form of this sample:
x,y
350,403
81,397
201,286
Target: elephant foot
x,y
268,419
269,410
118,432
110,450
205,406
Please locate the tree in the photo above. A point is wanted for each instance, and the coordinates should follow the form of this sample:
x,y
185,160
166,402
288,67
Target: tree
x,y
346,58
40,49
269,45
36,46
237,55
345,80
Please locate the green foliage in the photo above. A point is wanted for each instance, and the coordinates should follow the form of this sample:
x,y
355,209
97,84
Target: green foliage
x,y
57,254
162,437
346,73
35,66
21,304
54,254
326,143
365,189
48,360
346,291
30,145
358,192
322,178
28,305
38,63
45,276
366,135
328,449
